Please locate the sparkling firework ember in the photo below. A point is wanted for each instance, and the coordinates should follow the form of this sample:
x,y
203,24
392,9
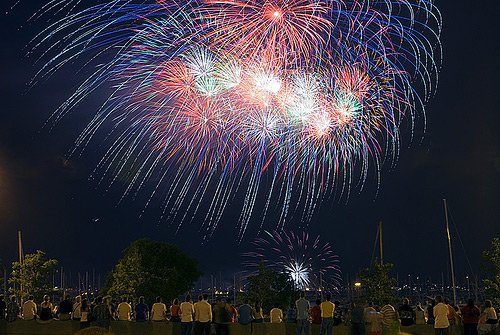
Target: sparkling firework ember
x,y
308,263
291,99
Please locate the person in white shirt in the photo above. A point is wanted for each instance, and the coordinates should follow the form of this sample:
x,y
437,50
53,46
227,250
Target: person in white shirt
x,y
29,309
186,313
488,319
441,312
158,311
276,314
373,320
203,316
491,314
77,306
85,311
303,307
124,310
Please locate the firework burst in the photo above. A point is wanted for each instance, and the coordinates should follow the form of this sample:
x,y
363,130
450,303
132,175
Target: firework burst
x,y
212,97
309,263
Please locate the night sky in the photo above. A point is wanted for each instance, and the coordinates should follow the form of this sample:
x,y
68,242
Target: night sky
x,y
65,212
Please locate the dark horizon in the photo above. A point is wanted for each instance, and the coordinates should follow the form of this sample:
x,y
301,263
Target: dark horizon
x,y
63,210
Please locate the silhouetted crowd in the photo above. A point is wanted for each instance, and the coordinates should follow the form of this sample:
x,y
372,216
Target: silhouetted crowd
x,y
203,318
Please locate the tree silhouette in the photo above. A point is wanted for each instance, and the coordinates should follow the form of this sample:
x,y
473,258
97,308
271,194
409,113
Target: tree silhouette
x,y
152,269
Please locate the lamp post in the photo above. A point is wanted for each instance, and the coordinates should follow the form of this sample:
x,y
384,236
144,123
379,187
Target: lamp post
x,y
357,288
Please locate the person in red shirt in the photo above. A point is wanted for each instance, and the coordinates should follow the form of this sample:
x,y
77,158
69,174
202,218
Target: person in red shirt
x,y
174,311
232,310
315,313
470,315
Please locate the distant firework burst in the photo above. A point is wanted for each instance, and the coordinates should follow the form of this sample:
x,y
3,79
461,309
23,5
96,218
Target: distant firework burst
x,y
290,101
309,263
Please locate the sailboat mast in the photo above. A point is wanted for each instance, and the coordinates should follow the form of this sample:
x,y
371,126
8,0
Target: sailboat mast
x,y
450,253
21,263
380,243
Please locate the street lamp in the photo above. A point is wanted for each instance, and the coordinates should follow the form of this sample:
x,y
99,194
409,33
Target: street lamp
x,y
357,288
